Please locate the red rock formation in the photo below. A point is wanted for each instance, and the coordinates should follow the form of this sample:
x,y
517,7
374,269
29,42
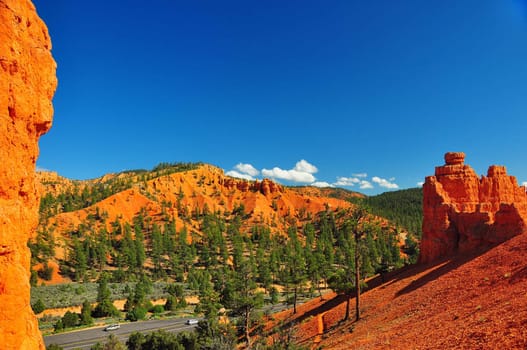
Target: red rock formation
x,y
265,187
462,212
27,84
268,187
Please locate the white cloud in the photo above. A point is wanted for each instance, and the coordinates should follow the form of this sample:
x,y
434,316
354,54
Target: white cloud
x,y
239,175
365,185
302,172
524,183
385,183
346,181
247,169
321,184
360,175
421,183
291,175
352,181
304,167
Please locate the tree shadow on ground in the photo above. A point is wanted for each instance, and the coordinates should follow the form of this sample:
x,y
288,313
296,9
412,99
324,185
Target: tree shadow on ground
x,y
437,269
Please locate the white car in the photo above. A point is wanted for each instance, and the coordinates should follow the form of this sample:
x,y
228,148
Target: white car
x,y
112,327
192,321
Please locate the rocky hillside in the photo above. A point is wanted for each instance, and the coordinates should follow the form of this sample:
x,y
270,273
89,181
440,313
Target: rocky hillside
x,y
476,301
180,195
467,292
177,195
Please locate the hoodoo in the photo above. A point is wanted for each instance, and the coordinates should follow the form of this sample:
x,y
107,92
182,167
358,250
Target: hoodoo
x,y
27,85
462,212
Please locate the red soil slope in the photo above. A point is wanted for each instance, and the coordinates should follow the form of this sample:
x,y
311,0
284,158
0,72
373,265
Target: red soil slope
x,y
180,194
467,302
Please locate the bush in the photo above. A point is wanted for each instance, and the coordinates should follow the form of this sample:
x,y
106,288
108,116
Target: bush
x,y
33,280
157,309
70,319
38,307
136,314
59,326
85,316
182,303
175,290
54,347
104,309
274,295
170,303
80,290
46,273
135,341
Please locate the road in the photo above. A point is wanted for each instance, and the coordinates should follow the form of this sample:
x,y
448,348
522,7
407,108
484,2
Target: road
x,y
86,338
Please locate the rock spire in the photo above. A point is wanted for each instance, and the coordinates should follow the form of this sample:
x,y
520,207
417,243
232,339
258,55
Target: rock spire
x,y
462,212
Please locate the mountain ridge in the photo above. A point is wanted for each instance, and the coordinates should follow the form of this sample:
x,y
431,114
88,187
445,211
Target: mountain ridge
x,y
178,195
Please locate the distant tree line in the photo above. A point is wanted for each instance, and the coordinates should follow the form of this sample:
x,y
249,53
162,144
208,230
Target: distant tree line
x,y
404,208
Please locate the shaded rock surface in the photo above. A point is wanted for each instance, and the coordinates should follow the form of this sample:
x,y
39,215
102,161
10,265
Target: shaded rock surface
x,y
462,212
27,84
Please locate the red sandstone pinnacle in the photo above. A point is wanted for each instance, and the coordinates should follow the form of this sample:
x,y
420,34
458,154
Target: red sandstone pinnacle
x,y
462,212
27,84
452,158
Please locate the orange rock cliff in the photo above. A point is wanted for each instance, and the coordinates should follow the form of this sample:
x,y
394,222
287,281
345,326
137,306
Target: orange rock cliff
x,y
462,212
27,85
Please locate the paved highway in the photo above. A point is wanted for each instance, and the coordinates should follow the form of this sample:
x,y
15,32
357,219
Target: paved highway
x,y
86,338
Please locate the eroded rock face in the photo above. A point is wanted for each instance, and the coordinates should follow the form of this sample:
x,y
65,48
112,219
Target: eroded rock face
x,y
266,186
463,212
27,85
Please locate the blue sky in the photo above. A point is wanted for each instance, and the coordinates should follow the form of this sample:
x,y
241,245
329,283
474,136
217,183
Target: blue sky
x,y
366,95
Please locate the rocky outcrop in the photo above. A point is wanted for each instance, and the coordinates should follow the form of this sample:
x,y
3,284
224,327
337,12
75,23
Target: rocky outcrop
x,y
265,187
462,212
27,84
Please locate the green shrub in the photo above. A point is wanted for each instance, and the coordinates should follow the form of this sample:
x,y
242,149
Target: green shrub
x,y
59,326
157,309
105,308
70,319
170,303
136,314
46,273
33,280
38,307
80,290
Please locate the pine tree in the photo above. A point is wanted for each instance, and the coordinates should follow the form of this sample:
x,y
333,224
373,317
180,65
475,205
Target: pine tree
x,y
85,317
104,306
295,269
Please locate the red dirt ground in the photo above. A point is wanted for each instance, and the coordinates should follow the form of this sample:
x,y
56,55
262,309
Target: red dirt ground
x,y
467,302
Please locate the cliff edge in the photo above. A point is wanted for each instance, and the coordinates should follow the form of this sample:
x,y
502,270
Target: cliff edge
x,y
462,212
27,85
